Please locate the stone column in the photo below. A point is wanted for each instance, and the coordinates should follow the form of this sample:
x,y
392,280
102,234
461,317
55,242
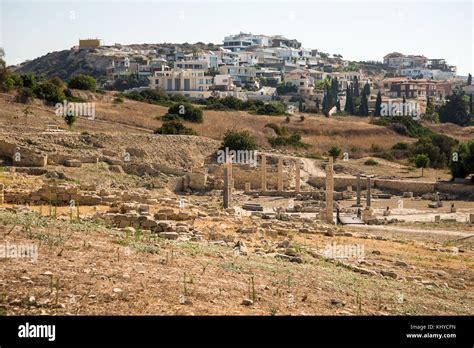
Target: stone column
x,y
280,175
368,192
227,189
247,187
329,191
298,176
358,190
264,173
2,193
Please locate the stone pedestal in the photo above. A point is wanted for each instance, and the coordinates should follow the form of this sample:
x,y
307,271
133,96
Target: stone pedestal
x,y
367,214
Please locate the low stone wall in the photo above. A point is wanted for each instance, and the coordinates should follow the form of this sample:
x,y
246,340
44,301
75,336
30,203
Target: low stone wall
x,y
399,186
340,183
461,190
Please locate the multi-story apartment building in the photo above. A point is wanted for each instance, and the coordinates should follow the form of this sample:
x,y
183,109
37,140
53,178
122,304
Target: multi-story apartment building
x,y
248,57
279,40
226,57
399,60
418,88
302,80
190,83
242,75
241,41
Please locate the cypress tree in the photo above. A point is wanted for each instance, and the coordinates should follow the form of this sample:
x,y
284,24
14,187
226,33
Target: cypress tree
x,y
469,79
363,108
348,96
326,106
367,89
378,104
356,86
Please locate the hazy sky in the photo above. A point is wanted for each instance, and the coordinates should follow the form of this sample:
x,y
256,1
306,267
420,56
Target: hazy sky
x,y
357,30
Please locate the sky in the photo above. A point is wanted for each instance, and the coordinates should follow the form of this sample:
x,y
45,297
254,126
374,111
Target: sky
x,y
357,30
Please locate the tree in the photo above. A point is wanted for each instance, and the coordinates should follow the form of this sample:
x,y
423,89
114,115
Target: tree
x,y
454,110
50,92
367,89
70,119
363,107
300,106
187,112
334,152
378,104
356,86
469,79
462,160
325,106
404,100
421,161
83,82
239,140
430,114
174,127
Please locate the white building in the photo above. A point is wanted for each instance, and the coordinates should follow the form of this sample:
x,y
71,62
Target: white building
x,y
241,41
190,83
302,80
240,74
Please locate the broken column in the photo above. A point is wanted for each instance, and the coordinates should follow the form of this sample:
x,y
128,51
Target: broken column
x,y
227,187
298,176
358,192
264,173
247,187
368,213
329,191
368,192
2,193
280,175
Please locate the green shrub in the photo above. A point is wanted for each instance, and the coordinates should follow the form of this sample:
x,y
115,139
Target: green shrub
x,y
272,109
334,152
187,112
400,146
371,162
83,82
239,140
174,127
25,95
50,92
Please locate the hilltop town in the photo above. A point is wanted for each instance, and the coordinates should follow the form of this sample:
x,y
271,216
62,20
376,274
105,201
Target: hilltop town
x,y
253,67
